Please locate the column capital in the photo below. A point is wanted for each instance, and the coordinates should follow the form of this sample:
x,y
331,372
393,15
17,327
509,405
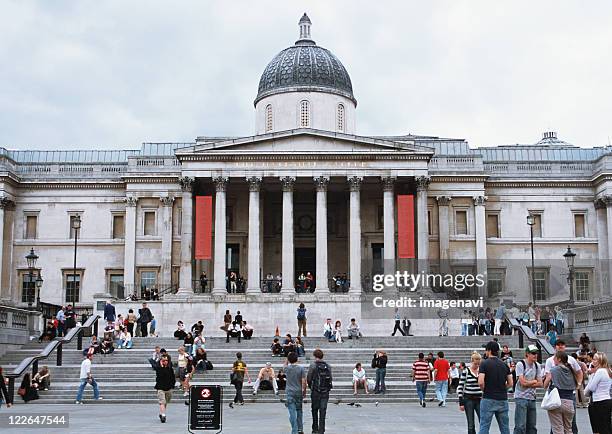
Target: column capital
x,y
321,182
166,200
599,203
354,182
220,183
131,201
479,200
254,183
6,203
287,183
388,182
422,183
186,183
443,200
607,199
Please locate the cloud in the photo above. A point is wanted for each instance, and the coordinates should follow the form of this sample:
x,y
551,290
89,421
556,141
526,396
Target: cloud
x,y
114,74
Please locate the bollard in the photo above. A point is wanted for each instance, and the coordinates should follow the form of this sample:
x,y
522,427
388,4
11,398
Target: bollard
x,y
34,368
80,340
59,354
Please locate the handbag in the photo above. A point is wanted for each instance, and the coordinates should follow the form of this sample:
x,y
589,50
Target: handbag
x,y
233,378
21,391
551,400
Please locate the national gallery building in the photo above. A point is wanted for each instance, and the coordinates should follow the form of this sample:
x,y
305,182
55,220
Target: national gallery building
x,y
307,204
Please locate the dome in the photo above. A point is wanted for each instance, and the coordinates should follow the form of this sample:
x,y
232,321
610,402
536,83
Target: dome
x,y
305,67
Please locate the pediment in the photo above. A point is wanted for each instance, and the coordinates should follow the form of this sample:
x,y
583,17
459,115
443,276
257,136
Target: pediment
x,y
304,141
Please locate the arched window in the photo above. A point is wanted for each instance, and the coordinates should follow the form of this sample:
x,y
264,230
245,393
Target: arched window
x,y
268,117
304,114
340,117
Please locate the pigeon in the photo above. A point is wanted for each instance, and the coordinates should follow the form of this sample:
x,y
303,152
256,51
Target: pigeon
x,y
376,403
357,404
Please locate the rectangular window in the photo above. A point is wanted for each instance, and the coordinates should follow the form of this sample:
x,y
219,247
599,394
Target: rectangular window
x,y
537,225
579,229
492,226
461,223
148,279
72,218
149,223
582,285
540,284
118,226
28,288
495,281
31,227
115,285
72,284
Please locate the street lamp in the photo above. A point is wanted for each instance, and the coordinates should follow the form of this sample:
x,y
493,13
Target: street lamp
x,y
531,222
76,225
569,259
39,282
31,259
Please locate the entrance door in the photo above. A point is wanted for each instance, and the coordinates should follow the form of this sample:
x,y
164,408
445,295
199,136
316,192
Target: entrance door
x,y
305,262
377,258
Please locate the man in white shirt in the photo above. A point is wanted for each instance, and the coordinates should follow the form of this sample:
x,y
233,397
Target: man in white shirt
x,y
86,377
328,329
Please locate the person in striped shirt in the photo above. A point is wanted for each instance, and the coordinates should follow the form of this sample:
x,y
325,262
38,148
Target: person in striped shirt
x,y
469,392
421,375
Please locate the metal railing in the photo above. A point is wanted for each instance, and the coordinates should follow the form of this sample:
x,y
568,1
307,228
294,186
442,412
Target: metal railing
x,y
525,331
55,345
271,286
136,292
201,286
339,284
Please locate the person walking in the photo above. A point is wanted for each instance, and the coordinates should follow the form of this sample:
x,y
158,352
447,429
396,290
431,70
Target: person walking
x,y
319,379
563,378
164,384
421,375
494,378
145,318
398,321
295,392
379,362
499,316
529,377
109,312
469,392
600,382
4,395
301,319
87,378
239,371
441,378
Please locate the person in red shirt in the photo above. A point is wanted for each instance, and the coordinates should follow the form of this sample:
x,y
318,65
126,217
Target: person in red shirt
x,y
441,378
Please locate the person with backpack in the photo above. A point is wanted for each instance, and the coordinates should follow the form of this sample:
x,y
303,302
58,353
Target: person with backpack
x,y
319,379
301,319
529,378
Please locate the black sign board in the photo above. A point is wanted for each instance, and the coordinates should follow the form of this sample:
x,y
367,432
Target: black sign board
x,y
205,408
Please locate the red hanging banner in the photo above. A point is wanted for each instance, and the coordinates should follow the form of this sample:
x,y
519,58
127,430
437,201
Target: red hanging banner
x,y
203,227
405,226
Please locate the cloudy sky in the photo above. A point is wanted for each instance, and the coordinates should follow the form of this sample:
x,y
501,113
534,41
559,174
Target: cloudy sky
x,y
112,74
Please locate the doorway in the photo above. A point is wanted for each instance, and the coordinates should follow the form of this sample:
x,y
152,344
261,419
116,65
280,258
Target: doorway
x,y
305,262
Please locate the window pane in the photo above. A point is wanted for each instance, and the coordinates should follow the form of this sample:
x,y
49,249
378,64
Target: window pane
x,y
304,114
540,284
148,278
461,223
149,223
27,289
268,117
579,225
73,286
495,282
118,226
582,286
31,223
537,226
71,229
116,287
492,226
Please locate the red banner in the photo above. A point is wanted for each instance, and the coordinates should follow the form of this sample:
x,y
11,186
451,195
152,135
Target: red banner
x,y
405,226
203,227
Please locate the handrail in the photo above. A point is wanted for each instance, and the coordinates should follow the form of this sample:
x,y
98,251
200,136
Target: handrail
x,y
56,344
526,331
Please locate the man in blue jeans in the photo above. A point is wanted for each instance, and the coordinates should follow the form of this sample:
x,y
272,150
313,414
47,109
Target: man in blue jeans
x,y
85,378
528,379
295,392
494,378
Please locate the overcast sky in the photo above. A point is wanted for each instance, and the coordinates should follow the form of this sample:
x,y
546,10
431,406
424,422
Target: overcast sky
x,y
115,73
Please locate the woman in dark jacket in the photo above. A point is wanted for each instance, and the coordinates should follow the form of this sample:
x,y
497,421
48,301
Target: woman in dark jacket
x,y
4,396
165,381
380,363
30,391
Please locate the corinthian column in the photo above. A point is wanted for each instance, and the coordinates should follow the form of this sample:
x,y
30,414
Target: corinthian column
x,y
186,274
321,278
219,287
5,203
355,234
422,183
253,279
288,283
481,239
388,225
166,246
129,257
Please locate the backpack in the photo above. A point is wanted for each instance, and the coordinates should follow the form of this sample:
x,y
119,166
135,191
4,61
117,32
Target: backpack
x,y
322,379
537,365
301,314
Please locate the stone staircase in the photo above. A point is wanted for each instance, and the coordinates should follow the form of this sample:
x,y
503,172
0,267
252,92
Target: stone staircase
x,y
126,377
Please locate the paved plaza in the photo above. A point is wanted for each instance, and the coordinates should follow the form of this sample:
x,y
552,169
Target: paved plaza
x,y
270,419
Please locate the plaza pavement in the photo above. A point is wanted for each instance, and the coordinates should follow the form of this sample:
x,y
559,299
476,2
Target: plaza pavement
x,y
268,419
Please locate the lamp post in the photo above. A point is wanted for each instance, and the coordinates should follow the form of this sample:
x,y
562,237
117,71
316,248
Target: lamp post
x,y
531,222
76,225
569,259
31,259
39,282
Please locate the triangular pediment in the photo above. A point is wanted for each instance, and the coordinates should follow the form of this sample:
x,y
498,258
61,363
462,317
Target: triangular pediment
x,y
303,141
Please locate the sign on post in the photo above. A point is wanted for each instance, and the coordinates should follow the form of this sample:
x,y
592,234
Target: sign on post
x,y
205,408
